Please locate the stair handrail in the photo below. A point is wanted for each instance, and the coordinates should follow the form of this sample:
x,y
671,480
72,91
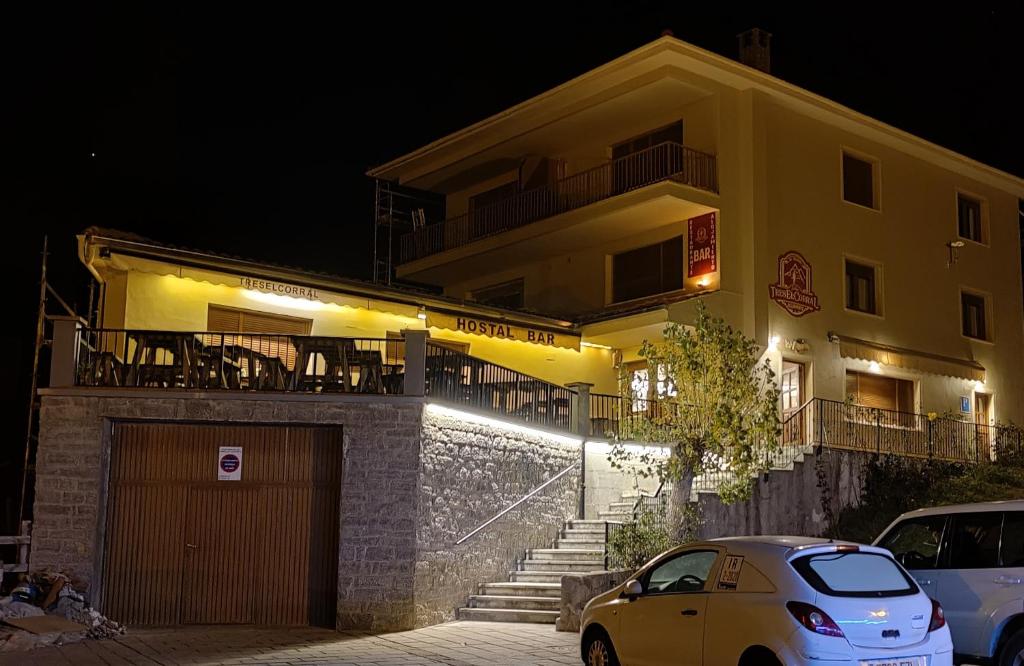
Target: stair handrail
x,y
517,503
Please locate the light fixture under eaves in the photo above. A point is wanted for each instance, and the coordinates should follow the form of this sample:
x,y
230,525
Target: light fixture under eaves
x,y
422,314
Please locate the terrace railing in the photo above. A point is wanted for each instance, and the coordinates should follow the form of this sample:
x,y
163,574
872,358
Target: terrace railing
x,y
665,161
238,361
459,378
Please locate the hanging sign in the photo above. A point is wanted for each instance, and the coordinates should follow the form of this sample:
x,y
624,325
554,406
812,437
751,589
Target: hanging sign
x,y
702,255
229,463
793,291
502,329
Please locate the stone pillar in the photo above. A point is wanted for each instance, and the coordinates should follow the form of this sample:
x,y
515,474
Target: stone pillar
x,y
64,352
415,362
580,422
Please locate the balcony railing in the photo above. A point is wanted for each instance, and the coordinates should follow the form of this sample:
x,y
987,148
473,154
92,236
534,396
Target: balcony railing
x,y
832,424
459,378
239,361
665,161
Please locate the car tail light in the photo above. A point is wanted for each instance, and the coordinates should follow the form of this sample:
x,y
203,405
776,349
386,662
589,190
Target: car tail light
x,y
938,617
814,619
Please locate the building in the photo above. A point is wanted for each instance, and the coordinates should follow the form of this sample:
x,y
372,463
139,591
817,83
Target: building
x,y
341,447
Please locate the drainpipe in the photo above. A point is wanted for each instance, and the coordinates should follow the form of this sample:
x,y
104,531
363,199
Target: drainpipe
x,y
581,420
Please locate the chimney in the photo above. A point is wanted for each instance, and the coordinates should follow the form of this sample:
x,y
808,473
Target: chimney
x,y
756,49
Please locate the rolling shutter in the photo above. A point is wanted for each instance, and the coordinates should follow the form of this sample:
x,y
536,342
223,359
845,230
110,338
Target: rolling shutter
x,y
219,318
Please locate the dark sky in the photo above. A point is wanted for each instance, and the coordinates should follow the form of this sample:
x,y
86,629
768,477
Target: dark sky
x,y
248,130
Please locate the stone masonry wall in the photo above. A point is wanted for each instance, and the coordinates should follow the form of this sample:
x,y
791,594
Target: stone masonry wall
x,y
378,494
469,471
789,502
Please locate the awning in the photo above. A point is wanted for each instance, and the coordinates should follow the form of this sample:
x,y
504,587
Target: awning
x,y
910,359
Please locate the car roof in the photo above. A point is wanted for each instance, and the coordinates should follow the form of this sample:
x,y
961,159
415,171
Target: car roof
x,y
977,507
780,541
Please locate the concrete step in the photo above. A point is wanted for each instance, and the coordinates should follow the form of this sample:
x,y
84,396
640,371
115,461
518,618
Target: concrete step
x,y
506,615
621,507
565,554
616,517
514,602
539,576
511,589
575,566
586,544
585,524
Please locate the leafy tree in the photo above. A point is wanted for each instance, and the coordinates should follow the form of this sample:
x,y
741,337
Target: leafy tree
x,y
718,412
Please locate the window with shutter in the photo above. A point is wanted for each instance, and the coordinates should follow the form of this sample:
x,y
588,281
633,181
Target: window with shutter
x,y
237,320
878,392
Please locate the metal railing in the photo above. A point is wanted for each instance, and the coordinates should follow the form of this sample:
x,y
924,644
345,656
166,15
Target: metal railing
x,y
665,161
521,500
625,418
239,361
462,379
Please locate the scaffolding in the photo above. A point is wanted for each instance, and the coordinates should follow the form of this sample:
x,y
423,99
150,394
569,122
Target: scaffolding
x,y
398,210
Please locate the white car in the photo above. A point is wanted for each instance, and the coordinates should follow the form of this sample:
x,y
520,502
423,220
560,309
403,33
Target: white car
x,y
971,558
767,600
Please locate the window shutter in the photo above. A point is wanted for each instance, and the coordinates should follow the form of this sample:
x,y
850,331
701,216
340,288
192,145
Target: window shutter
x,y
879,392
223,319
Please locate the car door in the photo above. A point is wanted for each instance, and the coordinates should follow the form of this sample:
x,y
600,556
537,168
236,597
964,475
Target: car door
x,y
665,624
972,585
917,543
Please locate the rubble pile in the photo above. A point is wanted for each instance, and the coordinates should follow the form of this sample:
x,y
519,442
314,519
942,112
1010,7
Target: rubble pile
x,y
53,599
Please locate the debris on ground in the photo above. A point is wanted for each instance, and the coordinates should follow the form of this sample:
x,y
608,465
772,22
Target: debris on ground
x,y
46,609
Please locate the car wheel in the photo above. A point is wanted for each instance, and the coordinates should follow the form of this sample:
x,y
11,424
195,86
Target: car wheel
x,y
1012,653
599,651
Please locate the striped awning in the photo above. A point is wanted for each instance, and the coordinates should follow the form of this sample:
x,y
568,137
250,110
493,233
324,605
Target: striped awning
x,y
910,359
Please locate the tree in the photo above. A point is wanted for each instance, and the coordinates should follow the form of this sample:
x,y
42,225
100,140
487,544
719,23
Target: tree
x,y
716,409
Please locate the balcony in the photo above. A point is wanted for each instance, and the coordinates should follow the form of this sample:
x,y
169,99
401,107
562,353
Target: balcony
x,y
665,162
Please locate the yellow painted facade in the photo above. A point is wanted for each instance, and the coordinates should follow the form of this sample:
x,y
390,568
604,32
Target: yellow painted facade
x,y
779,152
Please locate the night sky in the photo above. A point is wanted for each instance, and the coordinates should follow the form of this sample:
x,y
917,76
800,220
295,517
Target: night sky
x,y
248,131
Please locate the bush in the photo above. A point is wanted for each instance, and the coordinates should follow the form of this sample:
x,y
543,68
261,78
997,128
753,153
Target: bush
x,y
636,542
894,485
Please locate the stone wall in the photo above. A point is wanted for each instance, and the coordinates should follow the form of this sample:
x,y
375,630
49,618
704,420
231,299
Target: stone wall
x,y
788,502
379,491
605,484
577,590
470,469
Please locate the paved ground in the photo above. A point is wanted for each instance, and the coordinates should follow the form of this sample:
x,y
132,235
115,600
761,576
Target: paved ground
x,y
453,644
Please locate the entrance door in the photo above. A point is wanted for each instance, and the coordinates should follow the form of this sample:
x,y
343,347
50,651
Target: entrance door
x,y
791,385
184,547
982,405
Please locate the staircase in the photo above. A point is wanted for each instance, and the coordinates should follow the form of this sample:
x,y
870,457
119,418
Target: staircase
x,y
782,460
534,590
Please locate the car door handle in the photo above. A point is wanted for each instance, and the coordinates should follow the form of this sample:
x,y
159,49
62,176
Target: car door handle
x,y
1008,580
688,612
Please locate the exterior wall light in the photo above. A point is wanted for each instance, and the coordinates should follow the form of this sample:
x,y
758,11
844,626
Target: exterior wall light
x,y
422,314
874,367
703,282
773,343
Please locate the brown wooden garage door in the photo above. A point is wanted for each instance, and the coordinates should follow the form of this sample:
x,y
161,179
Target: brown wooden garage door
x,y
184,547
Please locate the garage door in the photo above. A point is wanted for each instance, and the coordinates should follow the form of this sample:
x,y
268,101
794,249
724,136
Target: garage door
x,y
185,547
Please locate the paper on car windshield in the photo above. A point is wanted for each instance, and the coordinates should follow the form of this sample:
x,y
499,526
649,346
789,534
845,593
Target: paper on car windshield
x,y
730,576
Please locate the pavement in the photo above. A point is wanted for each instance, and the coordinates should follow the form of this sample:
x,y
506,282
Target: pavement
x,y
451,644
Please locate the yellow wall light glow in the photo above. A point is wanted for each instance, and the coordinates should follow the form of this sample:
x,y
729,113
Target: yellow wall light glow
x,y
874,366
470,417
286,301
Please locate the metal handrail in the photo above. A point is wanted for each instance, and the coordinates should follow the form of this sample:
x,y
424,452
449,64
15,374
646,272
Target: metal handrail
x,y
517,503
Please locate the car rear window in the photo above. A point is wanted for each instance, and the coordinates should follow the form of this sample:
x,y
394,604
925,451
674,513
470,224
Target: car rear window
x,y
856,574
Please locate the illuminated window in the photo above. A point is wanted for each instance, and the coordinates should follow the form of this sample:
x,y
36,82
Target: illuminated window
x,y
968,214
974,315
859,181
647,271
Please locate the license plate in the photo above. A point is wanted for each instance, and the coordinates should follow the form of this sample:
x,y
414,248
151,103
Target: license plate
x,y
896,661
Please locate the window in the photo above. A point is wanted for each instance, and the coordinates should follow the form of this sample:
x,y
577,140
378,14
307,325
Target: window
x,y
646,271
968,216
915,543
870,390
647,158
1012,547
504,295
861,288
974,540
859,181
973,316
642,394
854,575
686,572
220,318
